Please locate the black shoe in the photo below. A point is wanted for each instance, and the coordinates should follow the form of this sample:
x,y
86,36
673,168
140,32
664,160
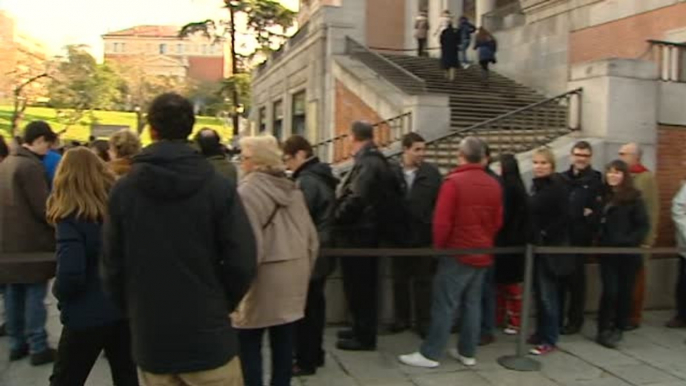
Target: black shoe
x,y
571,329
303,372
44,357
346,334
19,354
397,328
3,330
605,339
354,345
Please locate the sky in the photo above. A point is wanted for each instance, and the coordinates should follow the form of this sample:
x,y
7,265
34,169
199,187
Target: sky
x,y
63,22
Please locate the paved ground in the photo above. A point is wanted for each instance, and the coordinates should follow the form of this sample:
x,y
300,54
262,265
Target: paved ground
x,y
651,356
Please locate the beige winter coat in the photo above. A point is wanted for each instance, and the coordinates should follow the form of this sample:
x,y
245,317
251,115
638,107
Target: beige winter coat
x,y
287,247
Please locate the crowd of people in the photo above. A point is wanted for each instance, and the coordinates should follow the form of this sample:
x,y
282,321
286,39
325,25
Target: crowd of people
x,y
176,267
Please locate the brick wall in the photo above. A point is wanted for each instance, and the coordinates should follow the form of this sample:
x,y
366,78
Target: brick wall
x,y
348,109
671,172
625,38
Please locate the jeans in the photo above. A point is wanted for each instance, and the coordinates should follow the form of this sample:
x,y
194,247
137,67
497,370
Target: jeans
x,y
618,275
547,288
281,341
681,291
79,349
462,52
488,303
573,295
455,285
309,331
26,316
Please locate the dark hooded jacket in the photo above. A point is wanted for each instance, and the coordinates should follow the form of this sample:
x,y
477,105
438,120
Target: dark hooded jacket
x,y
585,192
318,185
179,256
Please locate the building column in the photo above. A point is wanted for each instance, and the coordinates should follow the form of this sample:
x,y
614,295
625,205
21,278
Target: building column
x,y
411,12
456,7
483,7
435,9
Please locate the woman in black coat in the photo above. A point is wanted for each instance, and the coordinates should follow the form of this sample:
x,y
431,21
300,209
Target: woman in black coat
x,y
624,223
548,204
509,269
450,40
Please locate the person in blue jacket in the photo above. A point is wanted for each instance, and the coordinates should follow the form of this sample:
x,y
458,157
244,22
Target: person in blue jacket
x,y
91,323
486,47
51,161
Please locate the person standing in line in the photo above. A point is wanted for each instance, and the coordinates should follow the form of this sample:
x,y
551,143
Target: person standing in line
x,y
179,255
469,214
585,187
369,213
679,218
51,161
287,246
486,47
123,146
549,216
315,179
624,223
91,323
100,147
465,29
421,183
645,182
421,32
516,231
444,21
24,229
211,147
450,40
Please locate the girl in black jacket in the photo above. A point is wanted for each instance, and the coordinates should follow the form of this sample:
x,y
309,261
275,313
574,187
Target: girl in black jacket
x,y
77,208
624,224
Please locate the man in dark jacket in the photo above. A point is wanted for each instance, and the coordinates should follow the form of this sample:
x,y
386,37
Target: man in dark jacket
x,y
585,187
210,145
318,185
421,182
24,230
179,255
468,214
368,200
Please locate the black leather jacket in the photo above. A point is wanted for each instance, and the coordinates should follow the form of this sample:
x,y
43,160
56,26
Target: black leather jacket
x,y
585,192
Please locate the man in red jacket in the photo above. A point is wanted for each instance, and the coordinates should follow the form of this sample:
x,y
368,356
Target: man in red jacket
x,y
468,214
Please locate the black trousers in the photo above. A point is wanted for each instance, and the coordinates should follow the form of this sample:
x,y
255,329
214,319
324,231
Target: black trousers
x,y
421,47
79,349
681,291
618,276
360,284
573,294
416,273
281,341
309,331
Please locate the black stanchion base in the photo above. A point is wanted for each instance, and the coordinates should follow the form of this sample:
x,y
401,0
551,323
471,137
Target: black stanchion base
x,y
513,362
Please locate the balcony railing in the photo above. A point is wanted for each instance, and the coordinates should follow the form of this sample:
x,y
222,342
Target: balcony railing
x,y
671,59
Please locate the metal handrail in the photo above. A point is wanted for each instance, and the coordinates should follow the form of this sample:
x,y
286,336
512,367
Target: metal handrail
x,y
491,121
665,43
353,48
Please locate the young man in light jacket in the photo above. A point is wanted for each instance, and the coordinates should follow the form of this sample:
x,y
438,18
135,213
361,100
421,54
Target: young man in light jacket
x,y
679,217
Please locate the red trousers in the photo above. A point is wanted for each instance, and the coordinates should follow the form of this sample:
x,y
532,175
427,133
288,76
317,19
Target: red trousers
x,y
509,305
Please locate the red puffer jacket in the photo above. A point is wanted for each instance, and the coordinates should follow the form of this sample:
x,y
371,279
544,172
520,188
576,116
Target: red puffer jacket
x,y
469,213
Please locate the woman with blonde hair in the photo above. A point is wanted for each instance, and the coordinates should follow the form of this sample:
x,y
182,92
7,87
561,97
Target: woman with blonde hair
x,y
287,249
77,208
548,204
123,146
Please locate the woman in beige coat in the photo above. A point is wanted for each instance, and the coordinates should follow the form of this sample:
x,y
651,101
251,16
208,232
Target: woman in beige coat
x,y
287,248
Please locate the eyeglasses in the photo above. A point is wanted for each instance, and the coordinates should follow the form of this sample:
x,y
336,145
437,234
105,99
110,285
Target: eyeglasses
x,y
581,155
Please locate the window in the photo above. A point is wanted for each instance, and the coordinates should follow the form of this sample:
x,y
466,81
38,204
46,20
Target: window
x,y
163,48
179,49
278,120
123,47
262,123
299,113
115,47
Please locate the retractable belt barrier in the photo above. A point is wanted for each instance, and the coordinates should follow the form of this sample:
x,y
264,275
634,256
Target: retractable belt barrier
x,y
12,264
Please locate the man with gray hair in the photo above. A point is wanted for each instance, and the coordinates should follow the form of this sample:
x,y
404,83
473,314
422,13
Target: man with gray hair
x,y
644,181
468,214
368,213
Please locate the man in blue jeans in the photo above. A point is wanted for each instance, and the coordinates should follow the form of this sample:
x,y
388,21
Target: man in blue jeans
x,y
24,230
468,214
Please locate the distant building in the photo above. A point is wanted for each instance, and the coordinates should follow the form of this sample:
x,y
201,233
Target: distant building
x,y
160,51
21,58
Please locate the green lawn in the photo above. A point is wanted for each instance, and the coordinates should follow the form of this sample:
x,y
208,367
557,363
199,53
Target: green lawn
x,y
81,131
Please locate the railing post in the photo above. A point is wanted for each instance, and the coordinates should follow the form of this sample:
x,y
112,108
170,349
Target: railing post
x,y
674,64
665,60
520,361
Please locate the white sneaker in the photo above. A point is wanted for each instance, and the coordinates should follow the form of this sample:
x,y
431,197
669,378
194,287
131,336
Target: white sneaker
x,y
416,359
469,362
510,331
